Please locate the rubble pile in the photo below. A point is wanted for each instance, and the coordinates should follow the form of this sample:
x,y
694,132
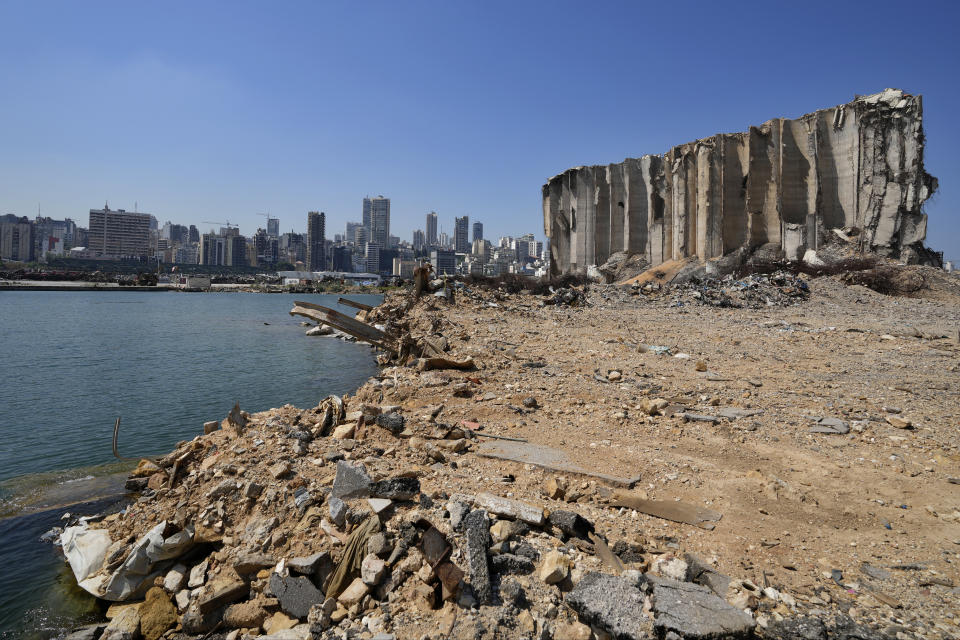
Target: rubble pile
x,y
314,524
756,291
571,297
413,509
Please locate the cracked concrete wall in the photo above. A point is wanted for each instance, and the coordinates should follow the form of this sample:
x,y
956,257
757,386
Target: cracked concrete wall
x,y
786,182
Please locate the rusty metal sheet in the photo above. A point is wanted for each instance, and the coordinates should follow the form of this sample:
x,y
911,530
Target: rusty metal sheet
x,y
668,510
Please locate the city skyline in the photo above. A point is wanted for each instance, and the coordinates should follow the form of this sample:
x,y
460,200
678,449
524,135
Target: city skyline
x,y
224,131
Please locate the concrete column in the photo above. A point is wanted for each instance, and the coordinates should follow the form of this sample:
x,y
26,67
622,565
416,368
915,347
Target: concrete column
x,y
602,214
618,208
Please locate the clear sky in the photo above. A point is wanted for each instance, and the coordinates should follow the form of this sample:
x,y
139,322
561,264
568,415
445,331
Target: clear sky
x,y
219,111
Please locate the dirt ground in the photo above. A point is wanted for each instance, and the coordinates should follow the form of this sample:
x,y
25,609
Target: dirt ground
x,y
796,505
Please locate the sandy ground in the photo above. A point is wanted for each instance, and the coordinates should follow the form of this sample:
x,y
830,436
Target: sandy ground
x,y
796,505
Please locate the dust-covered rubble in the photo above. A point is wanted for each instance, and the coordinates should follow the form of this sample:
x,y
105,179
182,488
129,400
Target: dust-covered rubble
x,y
378,515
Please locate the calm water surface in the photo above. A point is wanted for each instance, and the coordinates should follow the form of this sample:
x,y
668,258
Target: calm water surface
x,y
71,362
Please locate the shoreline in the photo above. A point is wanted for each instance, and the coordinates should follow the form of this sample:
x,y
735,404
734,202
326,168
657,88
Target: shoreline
x,y
215,288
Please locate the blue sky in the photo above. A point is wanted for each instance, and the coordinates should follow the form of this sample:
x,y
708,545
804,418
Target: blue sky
x,y
219,111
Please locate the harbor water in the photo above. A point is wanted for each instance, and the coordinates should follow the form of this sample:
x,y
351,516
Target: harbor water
x,y
163,362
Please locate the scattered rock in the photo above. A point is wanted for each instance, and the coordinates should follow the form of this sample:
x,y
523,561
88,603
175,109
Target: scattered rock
x,y
222,592
198,575
157,614
506,529
245,615
296,594
338,511
247,563
555,567
396,488
280,469
351,481
372,570
354,593
124,626
175,578
555,488
310,565
571,523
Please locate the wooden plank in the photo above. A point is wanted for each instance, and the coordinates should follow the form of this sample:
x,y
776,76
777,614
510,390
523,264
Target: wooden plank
x,y
668,510
356,305
344,323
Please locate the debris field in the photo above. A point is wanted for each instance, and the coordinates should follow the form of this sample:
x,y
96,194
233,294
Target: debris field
x,y
590,463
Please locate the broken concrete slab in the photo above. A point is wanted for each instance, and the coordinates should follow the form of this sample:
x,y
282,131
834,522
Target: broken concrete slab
x,y
396,488
296,594
830,425
309,565
694,612
611,604
477,526
351,481
510,508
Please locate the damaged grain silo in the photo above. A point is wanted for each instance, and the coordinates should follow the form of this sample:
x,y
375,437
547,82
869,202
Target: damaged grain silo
x,y
786,184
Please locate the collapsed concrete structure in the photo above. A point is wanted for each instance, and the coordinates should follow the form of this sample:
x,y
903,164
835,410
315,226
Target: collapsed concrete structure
x,y
857,166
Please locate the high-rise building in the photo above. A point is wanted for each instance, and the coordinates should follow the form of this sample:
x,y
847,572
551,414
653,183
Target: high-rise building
x,y
444,262
443,241
360,236
342,260
477,231
194,234
481,249
372,253
212,249
461,241
316,230
235,250
352,230
273,227
367,222
119,233
419,240
267,247
16,239
293,248
432,229
379,228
